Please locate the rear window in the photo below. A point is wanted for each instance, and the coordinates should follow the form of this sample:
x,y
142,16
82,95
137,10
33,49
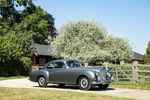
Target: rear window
x,y
73,64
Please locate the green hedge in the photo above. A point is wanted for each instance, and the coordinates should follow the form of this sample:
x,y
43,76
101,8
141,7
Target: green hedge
x,y
15,67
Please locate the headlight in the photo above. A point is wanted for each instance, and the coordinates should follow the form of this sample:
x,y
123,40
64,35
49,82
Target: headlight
x,y
108,74
96,73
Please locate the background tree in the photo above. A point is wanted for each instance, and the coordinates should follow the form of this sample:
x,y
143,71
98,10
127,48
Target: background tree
x,y
4,27
9,9
81,40
30,18
34,22
118,48
19,29
88,41
147,55
51,25
14,49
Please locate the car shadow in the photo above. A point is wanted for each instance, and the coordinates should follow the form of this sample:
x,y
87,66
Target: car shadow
x,y
76,88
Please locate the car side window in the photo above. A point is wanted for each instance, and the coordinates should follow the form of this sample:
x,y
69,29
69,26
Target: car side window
x,y
59,65
50,65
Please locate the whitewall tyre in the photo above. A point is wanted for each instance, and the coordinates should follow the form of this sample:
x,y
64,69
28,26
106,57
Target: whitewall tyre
x,y
84,83
42,81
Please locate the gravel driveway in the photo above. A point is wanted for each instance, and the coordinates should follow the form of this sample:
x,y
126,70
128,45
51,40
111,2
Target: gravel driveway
x,y
127,93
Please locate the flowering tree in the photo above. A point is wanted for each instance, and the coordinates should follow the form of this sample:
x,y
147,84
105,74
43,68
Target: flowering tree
x,y
118,48
86,41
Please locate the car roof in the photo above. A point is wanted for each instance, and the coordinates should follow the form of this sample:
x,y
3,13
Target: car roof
x,y
62,60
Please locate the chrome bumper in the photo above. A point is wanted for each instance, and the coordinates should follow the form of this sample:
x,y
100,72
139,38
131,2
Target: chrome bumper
x,y
100,82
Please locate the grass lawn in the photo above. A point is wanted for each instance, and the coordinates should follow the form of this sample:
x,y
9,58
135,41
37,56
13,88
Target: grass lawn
x,y
38,94
141,86
13,77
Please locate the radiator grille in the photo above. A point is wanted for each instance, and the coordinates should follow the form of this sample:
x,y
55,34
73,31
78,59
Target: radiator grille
x,y
103,75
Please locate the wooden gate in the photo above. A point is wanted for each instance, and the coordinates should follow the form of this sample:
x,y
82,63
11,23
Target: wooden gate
x,y
130,73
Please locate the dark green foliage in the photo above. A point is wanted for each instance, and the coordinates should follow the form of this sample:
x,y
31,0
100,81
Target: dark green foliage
x,y
34,25
15,45
29,18
15,67
9,8
147,55
4,26
13,48
49,18
26,63
21,24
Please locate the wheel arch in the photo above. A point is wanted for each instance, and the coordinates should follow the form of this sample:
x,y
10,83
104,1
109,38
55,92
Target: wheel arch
x,y
89,74
39,77
44,74
77,81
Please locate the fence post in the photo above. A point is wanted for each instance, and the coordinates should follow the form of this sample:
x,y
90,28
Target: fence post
x,y
106,65
133,74
117,74
136,74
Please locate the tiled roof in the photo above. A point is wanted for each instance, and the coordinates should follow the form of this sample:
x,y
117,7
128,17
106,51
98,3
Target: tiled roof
x,y
137,55
44,50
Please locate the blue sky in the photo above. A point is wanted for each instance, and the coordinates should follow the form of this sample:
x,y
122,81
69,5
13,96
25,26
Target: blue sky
x,y
129,19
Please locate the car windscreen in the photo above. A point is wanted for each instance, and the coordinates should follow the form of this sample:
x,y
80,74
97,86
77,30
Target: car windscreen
x,y
73,64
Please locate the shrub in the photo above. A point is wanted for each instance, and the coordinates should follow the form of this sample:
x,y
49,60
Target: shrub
x,y
15,67
26,64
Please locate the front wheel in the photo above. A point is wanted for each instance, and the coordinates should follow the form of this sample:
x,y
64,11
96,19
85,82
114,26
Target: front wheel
x,y
84,83
42,81
103,86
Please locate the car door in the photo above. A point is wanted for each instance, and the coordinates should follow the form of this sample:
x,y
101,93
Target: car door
x,y
56,72
70,75
62,74
51,69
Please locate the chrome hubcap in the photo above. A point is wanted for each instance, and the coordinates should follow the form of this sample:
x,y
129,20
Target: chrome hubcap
x,y
84,83
41,81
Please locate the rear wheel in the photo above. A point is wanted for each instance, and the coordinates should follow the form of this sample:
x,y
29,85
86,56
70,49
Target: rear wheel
x,y
42,81
84,83
103,86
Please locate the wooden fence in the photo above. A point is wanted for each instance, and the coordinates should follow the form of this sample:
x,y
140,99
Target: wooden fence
x,y
130,73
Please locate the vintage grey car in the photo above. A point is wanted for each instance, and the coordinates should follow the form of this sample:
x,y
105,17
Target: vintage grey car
x,y
71,72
